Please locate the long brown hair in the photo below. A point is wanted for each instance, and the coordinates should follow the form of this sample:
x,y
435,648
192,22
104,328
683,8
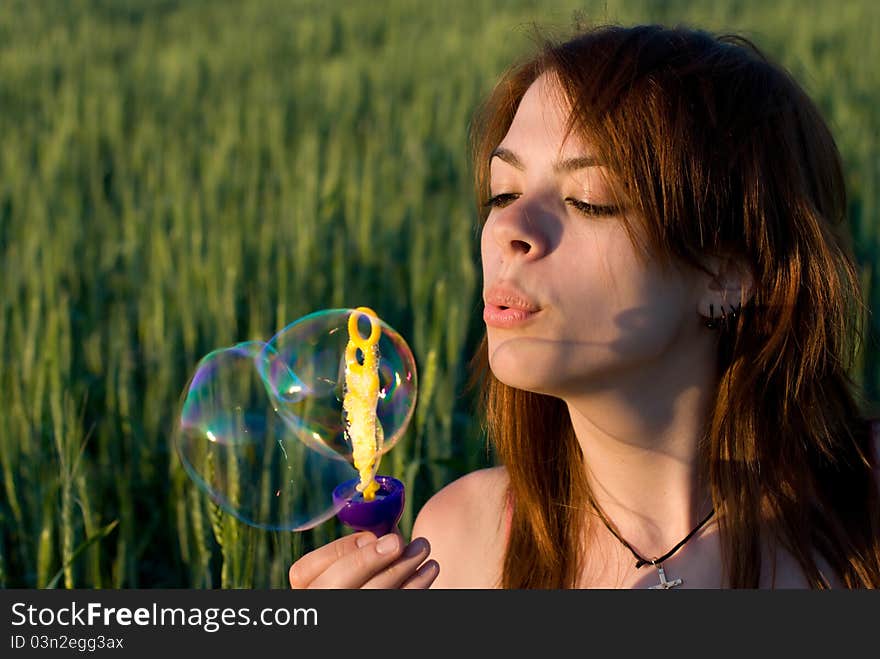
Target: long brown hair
x,y
720,151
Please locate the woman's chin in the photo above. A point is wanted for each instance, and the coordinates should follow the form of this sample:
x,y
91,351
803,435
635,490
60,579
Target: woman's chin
x,y
556,374
523,376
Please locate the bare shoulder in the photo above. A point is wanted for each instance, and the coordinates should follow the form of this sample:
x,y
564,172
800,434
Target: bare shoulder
x,y
788,573
785,572
464,524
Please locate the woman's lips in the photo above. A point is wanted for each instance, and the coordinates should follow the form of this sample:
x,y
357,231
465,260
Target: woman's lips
x,y
506,317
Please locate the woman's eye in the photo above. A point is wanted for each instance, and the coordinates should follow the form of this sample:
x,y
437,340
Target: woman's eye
x,y
500,200
593,210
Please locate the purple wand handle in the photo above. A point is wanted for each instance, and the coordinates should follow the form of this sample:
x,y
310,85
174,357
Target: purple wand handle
x,y
378,516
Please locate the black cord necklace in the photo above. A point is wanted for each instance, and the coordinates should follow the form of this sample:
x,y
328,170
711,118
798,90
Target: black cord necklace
x,y
656,562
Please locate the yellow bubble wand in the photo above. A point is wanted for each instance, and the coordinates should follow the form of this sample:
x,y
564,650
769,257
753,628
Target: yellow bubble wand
x,y
383,497
361,397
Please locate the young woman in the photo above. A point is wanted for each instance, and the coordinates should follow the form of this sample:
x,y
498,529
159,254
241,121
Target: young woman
x,y
671,309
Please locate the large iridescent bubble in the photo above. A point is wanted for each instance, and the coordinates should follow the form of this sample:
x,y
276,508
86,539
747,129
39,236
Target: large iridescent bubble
x,y
262,429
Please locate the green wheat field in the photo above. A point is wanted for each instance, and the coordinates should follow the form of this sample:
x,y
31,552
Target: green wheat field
x,y
180,176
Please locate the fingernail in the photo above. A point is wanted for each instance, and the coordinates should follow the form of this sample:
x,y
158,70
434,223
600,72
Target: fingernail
x,y
387,544
429,569
415,548
364,540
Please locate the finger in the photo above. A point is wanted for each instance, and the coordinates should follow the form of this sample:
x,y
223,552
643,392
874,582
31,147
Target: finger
x,y
403,568
424,576
356,568
310,566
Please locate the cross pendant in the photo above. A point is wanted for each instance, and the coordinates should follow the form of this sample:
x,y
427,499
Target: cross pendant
x,y
665,585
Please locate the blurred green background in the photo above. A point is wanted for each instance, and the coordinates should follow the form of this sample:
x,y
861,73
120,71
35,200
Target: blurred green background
x,y
180,176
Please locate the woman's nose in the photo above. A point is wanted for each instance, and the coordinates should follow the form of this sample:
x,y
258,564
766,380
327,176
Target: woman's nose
x,y
521,230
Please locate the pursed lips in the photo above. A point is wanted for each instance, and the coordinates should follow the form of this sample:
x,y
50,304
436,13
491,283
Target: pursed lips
x,y
507,307
506,296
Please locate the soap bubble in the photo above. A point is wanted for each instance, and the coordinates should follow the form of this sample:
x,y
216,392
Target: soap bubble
x,y
304,369
261,426
238,449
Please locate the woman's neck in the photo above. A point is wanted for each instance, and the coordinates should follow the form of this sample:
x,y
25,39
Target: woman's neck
x,y
640,442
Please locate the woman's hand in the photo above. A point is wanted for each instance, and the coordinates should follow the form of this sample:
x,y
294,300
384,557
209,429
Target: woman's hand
x,y
361,560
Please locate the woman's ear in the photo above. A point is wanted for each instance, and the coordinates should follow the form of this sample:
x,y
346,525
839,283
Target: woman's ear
x,y
729,283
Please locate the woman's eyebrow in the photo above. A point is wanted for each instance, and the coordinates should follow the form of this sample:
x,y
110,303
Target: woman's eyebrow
x,y
572,164
507,156
563,166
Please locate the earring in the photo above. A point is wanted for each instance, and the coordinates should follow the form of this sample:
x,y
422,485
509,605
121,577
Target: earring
x,y
734,312
712,323
727,319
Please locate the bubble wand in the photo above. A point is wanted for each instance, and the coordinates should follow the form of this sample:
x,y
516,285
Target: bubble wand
x,y
366,512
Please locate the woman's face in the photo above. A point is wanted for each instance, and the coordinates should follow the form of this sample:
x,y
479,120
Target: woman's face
x,y
569,306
